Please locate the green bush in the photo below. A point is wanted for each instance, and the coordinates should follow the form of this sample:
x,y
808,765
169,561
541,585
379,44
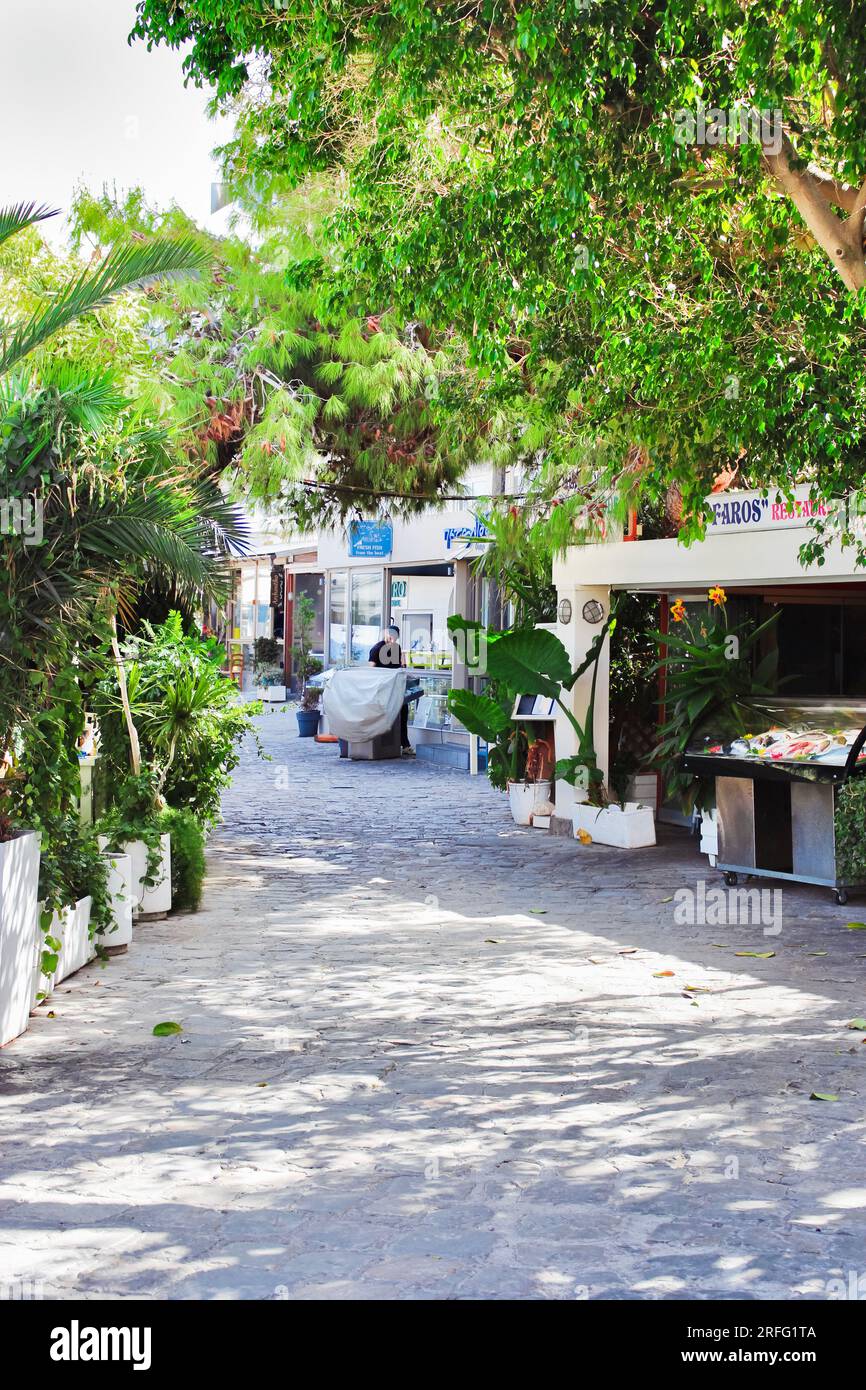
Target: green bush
x,y
187,859
189,721
851,831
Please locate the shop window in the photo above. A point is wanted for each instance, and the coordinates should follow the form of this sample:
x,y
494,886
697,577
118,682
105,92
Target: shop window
x,y
366,612
312,586
337,655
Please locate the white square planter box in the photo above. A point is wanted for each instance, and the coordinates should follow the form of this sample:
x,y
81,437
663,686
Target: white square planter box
x,y
271,694
629,828
19,930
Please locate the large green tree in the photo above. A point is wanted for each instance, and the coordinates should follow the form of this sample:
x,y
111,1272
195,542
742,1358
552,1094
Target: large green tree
x,y
648,214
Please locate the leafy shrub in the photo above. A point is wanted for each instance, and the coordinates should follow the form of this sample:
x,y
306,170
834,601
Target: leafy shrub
x,y
851,831
189,721
187,859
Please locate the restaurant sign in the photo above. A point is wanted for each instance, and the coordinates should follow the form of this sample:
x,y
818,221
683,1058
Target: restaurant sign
x,y
751,511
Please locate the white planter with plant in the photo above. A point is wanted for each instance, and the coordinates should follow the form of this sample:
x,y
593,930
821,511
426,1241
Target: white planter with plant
x,y
631,826
19,929
155,865
525,798
122,902
72,925
529,662
271,694
64,948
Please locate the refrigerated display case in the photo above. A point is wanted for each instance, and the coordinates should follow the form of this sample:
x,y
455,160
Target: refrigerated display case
x,y
778,771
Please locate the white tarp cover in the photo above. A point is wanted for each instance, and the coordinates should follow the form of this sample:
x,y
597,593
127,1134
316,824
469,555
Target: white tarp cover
x,y
362,702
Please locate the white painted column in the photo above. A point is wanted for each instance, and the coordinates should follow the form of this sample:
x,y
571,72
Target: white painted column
x,y
577,636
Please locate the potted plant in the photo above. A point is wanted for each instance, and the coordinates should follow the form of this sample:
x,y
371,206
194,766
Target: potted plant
x,y
132,827
75,903
305,666
530,661
268,670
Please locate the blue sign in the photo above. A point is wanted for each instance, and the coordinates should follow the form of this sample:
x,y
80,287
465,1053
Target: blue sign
x,y
370,540
465,533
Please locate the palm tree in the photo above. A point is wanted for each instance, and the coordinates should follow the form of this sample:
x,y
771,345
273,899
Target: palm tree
x,y
127,266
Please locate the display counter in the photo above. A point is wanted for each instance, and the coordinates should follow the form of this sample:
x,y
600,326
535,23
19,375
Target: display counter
x,y
778,771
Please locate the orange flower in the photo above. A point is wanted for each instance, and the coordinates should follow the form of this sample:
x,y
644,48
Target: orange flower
x,y
678,611
718,596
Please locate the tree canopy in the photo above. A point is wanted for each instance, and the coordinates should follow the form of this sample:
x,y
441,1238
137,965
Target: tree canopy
x,y
645,220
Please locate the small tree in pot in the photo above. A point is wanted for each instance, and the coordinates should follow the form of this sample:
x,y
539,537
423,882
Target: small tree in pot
x,y
305,666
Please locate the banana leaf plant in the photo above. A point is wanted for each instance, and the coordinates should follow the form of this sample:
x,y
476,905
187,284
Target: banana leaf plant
x,y
529,661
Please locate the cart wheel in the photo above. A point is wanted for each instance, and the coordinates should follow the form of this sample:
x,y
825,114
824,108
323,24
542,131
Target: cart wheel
x,y
841,896
731,879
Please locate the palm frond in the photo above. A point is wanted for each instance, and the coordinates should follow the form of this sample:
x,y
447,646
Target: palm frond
x,y
128,266
20,215
91,397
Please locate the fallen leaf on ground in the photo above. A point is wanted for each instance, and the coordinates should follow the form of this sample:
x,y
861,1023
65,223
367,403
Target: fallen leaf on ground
x,y
822,1095
756,955
662,974
628,951
164,1030
859,1024
856,926
720,945
584,837
666,900
491,941
817,953
699,989
538,911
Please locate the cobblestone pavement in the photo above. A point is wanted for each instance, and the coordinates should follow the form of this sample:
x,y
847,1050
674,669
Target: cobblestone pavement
x,y
427,1054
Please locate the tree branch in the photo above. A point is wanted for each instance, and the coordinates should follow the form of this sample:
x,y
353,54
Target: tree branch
x,y
841,241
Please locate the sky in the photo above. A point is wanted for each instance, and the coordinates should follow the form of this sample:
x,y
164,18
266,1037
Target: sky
x,y
79,105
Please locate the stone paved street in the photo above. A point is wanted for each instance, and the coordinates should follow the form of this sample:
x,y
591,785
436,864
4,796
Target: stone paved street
x,y
416,1063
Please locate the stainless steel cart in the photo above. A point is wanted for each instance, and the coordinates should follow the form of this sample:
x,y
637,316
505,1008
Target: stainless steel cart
x,y
777,814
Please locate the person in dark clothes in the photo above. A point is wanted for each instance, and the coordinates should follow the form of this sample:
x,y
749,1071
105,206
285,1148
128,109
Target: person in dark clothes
x,y
388,653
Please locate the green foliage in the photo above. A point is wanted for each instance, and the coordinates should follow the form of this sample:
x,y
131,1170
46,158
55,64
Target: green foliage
x,y
134,814
517,556
189,721
518,173
527,661
850,823
71,867
187,858
322,410
304,663
710,672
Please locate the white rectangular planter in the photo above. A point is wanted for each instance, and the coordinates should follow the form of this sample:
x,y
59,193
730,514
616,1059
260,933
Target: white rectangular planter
x,y
271,694
19,929
158,898
73,928
120,888
629,828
